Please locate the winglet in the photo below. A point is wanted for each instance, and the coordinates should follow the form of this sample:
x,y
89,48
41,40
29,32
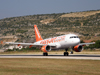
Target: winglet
x,y
93,42
1,42
37,34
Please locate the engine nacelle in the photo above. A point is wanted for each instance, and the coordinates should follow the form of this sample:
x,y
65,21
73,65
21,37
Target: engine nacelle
x,y
46,48
78,48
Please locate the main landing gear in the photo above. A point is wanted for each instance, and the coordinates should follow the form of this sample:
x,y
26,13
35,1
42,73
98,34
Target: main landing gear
x,y
66,53
45,54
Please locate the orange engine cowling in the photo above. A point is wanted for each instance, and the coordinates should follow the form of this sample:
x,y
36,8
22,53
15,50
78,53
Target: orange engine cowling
x,y
46,48
78,48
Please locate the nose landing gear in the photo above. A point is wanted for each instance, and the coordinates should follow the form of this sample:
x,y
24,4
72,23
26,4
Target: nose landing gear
x,y
71,52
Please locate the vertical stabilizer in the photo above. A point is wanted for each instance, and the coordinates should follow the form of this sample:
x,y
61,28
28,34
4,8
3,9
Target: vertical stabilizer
x,y
37,34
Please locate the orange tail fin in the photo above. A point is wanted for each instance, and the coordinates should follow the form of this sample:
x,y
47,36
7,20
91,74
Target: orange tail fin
x,y
37,34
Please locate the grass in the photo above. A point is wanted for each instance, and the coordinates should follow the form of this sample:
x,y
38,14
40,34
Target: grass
x,y
33,66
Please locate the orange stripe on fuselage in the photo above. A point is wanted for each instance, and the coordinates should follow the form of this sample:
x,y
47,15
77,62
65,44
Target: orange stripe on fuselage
x,y
37,34
53,40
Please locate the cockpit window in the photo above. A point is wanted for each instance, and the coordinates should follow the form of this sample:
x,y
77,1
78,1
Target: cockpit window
x,y
74,37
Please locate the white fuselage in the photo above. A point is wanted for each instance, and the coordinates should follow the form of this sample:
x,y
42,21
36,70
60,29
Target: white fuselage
x,y
61,42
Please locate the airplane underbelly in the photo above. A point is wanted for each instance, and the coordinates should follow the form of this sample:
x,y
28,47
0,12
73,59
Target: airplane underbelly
x,y
67,45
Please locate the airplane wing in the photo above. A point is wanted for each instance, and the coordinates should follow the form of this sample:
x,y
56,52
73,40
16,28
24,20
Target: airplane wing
x,y
86,43
16,43
28,44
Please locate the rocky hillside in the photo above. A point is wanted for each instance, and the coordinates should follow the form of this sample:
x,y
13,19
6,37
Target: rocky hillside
x,y
80,14
85,24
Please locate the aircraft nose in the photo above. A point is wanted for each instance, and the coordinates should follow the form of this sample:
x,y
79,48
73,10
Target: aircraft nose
x,y
77,40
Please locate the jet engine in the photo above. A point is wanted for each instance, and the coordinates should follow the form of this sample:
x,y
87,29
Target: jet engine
x,y
78,48
46,48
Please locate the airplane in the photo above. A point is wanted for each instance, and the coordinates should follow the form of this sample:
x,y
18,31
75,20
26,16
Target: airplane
x,y
60,42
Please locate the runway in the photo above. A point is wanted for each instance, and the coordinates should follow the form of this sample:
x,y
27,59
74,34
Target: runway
x,y
51,56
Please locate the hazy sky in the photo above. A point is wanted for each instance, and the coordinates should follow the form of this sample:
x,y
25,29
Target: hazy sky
x,y
13,8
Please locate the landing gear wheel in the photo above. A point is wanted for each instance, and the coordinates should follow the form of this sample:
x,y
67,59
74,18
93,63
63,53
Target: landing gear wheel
x,y
45,54
66,53
71,52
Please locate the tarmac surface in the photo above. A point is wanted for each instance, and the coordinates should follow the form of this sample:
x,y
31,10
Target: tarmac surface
x,y
51,56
